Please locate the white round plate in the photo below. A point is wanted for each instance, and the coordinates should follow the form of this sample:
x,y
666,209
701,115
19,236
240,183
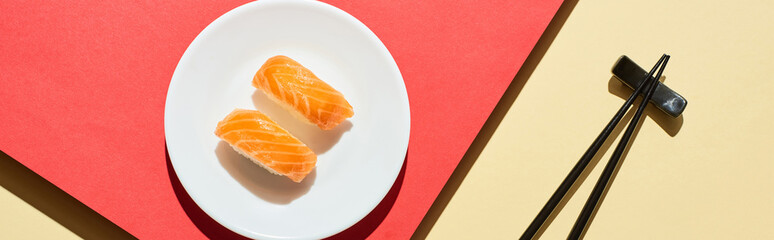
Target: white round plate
x,y
357,162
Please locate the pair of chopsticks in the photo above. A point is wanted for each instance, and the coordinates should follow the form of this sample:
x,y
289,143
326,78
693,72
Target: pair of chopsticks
x,y
647,87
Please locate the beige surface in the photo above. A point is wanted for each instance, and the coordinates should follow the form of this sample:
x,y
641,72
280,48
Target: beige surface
x,y
19,220
33,208
712,180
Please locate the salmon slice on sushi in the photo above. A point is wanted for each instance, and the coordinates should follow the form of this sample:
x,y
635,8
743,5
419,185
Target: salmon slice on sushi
x,y
299,90
254,135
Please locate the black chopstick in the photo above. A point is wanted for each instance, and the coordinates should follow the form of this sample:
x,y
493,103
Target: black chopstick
x,y
582,223
576,171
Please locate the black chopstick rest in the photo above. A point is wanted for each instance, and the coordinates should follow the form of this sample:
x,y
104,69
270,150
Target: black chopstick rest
x,y
664,98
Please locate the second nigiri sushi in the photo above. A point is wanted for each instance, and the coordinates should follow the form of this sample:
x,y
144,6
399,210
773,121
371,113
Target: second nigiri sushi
x,y
298,89
267,144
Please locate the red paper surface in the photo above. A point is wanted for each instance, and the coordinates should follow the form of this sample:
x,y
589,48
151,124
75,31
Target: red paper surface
x,y
84,85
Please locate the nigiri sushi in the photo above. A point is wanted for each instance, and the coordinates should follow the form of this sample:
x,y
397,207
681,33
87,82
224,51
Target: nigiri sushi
x,y
298,89
254,135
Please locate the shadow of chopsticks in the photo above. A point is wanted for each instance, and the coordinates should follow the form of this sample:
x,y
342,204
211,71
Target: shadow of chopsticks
x,y
495,118
55,203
